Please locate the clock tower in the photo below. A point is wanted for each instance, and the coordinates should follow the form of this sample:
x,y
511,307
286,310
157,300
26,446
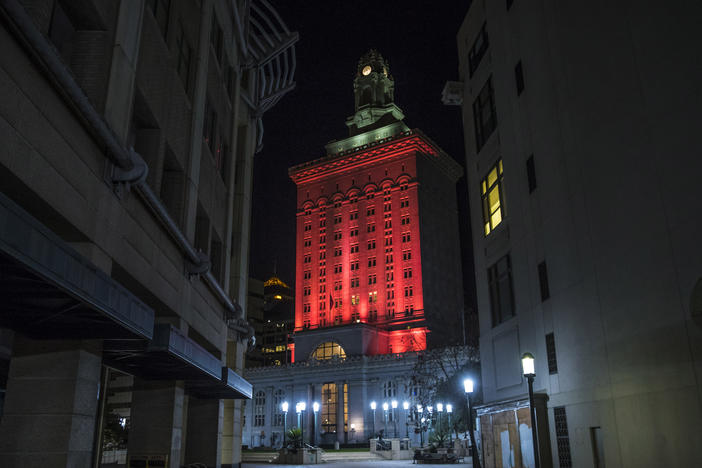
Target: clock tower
x,y
374,90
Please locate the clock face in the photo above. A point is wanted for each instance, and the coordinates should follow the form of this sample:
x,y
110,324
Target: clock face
x,y
366,70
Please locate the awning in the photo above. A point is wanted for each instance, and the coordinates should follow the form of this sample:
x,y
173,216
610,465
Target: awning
x,y
171,355
48,290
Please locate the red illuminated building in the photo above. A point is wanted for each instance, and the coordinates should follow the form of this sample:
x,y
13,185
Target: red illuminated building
x,y
378,261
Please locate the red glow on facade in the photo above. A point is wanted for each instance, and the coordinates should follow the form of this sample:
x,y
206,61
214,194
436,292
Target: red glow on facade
x,y
358,257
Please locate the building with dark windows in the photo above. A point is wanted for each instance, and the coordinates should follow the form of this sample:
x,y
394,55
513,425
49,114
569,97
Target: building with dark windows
x,y
273,318
378,275
128,131
581,132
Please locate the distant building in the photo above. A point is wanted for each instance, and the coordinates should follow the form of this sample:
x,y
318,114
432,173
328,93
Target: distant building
x,y
272,305
583,159
378,275
127,136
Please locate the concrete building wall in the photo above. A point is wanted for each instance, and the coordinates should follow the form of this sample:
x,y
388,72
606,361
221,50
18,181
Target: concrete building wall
x,y
82,84
607,111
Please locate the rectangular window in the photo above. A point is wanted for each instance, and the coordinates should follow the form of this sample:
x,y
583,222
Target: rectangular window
x,y
406,237
329,399
531,173
353,215
354,248
562,439
185,53
551,354
370,211
371,244
371,227
371,261
492,196
346,407
477,51
484,115
519,77
543,281
161,11
501,295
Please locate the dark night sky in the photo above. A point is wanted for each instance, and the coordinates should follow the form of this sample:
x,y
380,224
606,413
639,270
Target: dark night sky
x,y
418,38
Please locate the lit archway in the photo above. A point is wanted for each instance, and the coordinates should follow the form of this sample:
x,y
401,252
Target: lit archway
x,y
328,350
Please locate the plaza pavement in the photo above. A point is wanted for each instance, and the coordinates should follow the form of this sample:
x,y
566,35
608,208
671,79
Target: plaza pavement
x,y
360,464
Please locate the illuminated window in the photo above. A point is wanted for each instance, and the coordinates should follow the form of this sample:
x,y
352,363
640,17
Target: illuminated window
x,y
329,398
373,297
346,407
500,286
355,299
484,115
328,350
492,197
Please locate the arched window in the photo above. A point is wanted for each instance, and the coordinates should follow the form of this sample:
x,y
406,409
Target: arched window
x,y
328,350
278,397
260,408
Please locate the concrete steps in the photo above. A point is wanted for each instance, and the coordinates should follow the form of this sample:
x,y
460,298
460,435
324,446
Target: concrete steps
x,y
259,457
332,456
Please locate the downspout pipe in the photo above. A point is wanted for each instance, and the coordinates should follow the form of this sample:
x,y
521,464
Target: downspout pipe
x,y
130,168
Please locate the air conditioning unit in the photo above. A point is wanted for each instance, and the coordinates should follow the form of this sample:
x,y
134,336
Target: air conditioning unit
x,y
452,95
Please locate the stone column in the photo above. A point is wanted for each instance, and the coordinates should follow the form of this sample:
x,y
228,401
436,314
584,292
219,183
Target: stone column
x,y
340,411
204,432
50,404
157,420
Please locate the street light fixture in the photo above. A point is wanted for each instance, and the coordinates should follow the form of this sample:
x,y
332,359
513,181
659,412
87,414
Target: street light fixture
x,y
440,409
315,408
528,369
373,406
284,406
393,403
468,386
405,405
385,414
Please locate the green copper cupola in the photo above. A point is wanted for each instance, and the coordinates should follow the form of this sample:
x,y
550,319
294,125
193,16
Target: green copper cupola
x,y
374,89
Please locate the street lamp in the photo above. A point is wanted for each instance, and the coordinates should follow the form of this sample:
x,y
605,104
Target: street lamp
x,y
449,410
373,406
420,410
393,403
385,413
440,409
315,408
405,405
284,406
469,387
300,409
529,372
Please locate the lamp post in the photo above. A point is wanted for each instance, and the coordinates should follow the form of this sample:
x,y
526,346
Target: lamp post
x,y
449,410
393,403
430,419
420,410
300,409
440,409
373,406
468,387
405,405
528,370
385,414
284,407
315,408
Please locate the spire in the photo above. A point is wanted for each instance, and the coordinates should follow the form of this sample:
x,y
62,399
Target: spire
x,y
374,94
